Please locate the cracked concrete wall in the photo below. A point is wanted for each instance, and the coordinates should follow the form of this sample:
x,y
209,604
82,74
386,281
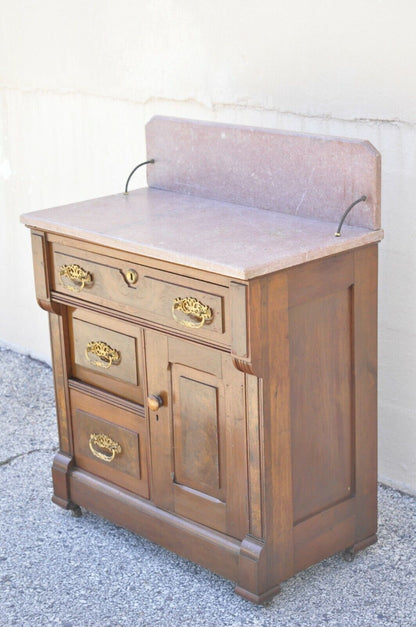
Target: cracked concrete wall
x,y
79,80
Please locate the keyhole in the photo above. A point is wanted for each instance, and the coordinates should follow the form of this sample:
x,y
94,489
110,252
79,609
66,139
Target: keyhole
x,y
157,417
131,276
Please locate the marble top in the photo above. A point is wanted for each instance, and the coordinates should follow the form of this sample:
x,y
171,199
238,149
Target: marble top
x,y
234,240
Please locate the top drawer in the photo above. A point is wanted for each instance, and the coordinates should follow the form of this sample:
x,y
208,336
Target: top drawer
x,y
187,305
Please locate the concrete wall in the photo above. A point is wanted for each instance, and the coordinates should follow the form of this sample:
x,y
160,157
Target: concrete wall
x,y
80,79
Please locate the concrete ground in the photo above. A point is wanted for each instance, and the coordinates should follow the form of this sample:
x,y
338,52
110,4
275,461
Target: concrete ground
x,y
79,572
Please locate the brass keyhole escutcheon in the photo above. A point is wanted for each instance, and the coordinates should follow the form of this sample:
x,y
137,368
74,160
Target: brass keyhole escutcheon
x,y
131,277
154,401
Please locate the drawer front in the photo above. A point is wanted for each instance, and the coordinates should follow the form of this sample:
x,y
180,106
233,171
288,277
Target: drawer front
x,y
184,307
110,442
95,278
188,306
107,353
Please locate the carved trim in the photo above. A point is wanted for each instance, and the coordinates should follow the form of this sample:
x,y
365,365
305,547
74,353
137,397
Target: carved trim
x,y
251,548
50,306
242,365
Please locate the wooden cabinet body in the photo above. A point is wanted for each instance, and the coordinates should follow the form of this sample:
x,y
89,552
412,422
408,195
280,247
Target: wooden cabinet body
x,y
256,454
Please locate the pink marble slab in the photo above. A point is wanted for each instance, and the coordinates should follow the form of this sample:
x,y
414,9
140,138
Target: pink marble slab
x,y
233,240
302,175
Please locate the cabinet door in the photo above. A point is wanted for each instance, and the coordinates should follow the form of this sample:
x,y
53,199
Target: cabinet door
x,y
197,433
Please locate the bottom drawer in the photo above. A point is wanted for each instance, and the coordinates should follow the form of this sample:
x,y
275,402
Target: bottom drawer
x,y
110,441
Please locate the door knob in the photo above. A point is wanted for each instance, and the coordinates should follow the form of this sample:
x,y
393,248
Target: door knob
x,y
154,402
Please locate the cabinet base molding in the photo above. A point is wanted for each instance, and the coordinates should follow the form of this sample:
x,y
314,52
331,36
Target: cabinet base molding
x,y
61,466
239,561
211,549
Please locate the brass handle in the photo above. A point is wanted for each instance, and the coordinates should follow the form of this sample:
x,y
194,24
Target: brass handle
x,y
154,401
199,314
107,444
106,355
77,276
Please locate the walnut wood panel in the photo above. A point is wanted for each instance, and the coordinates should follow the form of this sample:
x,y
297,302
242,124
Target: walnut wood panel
x,y
58,329
310,281
262,571
321,535
128,469
205,359
124,377
255,462
151,297
40,267
365,354
320,333
160,425
352,522
200,507
238,297
198,410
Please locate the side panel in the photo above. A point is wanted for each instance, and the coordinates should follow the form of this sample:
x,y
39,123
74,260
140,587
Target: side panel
x,y
332,334
321,366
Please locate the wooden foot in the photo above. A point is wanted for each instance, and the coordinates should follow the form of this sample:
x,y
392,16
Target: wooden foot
x,y
76,510
352,551
259,599
69,505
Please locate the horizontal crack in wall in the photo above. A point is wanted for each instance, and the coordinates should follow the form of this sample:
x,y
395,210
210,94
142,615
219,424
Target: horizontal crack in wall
x,y
214,106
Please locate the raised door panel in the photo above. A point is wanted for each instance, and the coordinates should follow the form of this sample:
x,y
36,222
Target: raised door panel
x,y
321,335
198,434
198,429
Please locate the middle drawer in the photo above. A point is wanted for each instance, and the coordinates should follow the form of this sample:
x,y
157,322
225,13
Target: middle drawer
x,y
107,353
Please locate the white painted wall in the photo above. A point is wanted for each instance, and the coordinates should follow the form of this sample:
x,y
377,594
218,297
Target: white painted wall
x,y
78,81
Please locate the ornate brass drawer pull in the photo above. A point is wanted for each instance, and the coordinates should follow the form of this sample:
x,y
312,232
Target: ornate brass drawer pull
x,y
105,443
106,356
77,276
198,313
